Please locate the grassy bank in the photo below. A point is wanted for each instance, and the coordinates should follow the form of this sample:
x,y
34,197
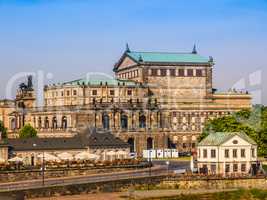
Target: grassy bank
x,y
253,194
265,168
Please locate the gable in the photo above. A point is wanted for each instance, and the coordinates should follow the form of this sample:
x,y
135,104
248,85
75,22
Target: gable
x,y
240,142
126,62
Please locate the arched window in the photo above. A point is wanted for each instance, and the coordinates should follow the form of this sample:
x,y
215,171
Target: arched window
x,y
13,124
64,122
149,143
124,122
105,121
142,121
54,123
39,122
46,123
132,145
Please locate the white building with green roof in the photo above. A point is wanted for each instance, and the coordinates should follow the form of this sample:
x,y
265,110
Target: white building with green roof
x,y
227,153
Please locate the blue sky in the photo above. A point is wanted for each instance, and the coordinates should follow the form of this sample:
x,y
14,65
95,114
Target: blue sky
x,y
69,38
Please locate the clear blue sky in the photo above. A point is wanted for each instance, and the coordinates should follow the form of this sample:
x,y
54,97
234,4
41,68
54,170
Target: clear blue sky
x,y
72,37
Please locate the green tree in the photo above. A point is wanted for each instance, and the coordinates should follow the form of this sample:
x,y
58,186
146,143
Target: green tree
x,y
253,122
27,132
3,130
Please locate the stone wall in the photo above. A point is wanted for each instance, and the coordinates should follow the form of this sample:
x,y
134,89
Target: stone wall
x,y
216,184
143,184
37,174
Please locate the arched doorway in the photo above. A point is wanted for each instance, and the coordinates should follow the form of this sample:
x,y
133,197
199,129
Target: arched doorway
x,y
64,122
149,143
124,122
171,145
46,122
54,123
39,122
142,121
132,144
105,121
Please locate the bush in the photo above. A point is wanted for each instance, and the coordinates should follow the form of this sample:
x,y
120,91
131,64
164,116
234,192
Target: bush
x,y
27,132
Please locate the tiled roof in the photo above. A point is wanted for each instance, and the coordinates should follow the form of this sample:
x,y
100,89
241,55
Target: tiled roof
x,y
218,138
90,138
103,139
164,57
45,144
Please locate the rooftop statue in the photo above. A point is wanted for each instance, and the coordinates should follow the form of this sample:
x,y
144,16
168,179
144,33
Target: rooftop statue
x,y
28,86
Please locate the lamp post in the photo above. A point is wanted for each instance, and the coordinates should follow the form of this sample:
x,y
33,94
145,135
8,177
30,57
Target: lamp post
x,y
168,163
43,167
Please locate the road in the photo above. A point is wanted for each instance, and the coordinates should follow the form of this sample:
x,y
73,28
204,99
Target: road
x,y
159,169
32,184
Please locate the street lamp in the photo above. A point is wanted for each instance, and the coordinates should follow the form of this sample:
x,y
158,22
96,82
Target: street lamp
x,y
43,167
167,163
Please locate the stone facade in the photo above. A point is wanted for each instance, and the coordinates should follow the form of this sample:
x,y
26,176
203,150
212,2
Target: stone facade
x,y
151,104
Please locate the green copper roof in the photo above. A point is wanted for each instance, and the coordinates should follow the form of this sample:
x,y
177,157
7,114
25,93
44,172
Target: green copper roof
x,y
104,81
162,57
218,138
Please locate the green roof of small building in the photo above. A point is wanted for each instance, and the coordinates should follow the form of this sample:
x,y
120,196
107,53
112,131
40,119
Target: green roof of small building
x,y
218,138
164,57
100,81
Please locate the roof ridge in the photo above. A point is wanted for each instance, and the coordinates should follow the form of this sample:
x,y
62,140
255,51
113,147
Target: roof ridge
x,y
166,52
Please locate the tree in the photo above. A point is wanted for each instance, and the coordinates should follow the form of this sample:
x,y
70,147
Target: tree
x,y
27,132
3,130
253,122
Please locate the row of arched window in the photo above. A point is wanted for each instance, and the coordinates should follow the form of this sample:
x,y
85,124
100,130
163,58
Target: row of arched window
x,y
149,143
53,123
123,120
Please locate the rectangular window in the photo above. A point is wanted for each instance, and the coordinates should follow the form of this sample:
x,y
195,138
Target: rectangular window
x,y
235,167
243,167
163,72
68,93
243,153
94,92
226,153
205,153
234,153
253,153
227,168
111,92
190,72
129,92
213,168
172,72
213,153
62,94
198,72
74,92
181,72
154,72
184,145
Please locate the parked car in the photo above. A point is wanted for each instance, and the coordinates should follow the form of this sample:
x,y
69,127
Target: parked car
x,y
183,154
133,155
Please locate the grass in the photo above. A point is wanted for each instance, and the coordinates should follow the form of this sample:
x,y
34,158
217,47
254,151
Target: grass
x,y
253,194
